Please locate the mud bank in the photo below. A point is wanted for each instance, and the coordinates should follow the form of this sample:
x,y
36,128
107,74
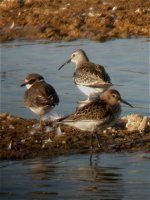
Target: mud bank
x,y
21,139
69,20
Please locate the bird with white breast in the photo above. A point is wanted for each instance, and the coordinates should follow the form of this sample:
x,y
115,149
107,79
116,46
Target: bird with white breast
x,y
92,79
40,97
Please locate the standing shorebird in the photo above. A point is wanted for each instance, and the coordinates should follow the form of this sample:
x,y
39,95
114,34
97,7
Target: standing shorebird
x,y
90,78
97,115
40,97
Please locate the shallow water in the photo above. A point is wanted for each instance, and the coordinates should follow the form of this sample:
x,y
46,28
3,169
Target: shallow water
x,y
126,61
110,176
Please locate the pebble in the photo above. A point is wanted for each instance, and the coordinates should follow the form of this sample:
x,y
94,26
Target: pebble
x,y
12,25
11,126
114,8
9,146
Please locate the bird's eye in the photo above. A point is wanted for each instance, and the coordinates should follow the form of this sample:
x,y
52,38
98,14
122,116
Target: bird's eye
x,y
114,95
31,81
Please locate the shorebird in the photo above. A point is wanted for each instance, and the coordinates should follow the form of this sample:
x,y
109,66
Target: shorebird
x,y
40,97
97,115
92,79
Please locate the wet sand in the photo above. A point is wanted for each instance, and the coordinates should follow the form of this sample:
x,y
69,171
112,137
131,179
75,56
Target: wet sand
x,y
20,138
69,20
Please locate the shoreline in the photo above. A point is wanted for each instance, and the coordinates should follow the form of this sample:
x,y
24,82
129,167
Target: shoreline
x,y
20,138
68,20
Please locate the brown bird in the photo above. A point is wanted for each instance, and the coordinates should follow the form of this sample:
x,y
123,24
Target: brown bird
x,y
97,115
92,79
40,97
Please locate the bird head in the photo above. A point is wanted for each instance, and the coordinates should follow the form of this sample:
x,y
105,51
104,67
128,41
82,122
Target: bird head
x,y
31,79
76,57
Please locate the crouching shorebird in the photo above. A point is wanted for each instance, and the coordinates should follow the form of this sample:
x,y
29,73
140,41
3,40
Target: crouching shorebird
x,y
40,97
90,78
97,115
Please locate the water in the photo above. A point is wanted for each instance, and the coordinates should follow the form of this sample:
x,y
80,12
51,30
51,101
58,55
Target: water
x,y
127,62
110,176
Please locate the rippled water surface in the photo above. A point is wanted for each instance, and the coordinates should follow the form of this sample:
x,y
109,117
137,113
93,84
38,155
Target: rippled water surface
x,y
110,176
127,62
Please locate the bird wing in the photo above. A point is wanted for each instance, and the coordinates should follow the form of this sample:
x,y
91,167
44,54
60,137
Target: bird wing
x,y
91,111
42,95
92,75
47,95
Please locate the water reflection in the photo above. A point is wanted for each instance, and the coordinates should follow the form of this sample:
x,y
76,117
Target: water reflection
x,y
102,182
82,181
110,176
2,75
40,170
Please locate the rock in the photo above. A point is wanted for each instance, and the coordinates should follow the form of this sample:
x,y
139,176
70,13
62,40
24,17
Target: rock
x,y
143,124
136,122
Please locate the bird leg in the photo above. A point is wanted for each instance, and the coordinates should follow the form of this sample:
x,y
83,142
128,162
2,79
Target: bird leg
x,y
92,147
91,154
40,122
90,99
83,103
97,138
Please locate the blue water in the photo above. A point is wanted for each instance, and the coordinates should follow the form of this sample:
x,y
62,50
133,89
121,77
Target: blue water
x,y
110,176
126,61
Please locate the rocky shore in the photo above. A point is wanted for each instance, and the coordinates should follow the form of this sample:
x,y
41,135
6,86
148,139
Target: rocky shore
x,y
20,138
67,20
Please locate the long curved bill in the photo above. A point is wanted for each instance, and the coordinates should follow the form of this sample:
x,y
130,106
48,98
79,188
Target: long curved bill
x,y
125,102
66,62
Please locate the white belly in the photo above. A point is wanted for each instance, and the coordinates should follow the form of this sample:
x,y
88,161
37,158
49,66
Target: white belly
x,y
84,125
40,110
89,91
